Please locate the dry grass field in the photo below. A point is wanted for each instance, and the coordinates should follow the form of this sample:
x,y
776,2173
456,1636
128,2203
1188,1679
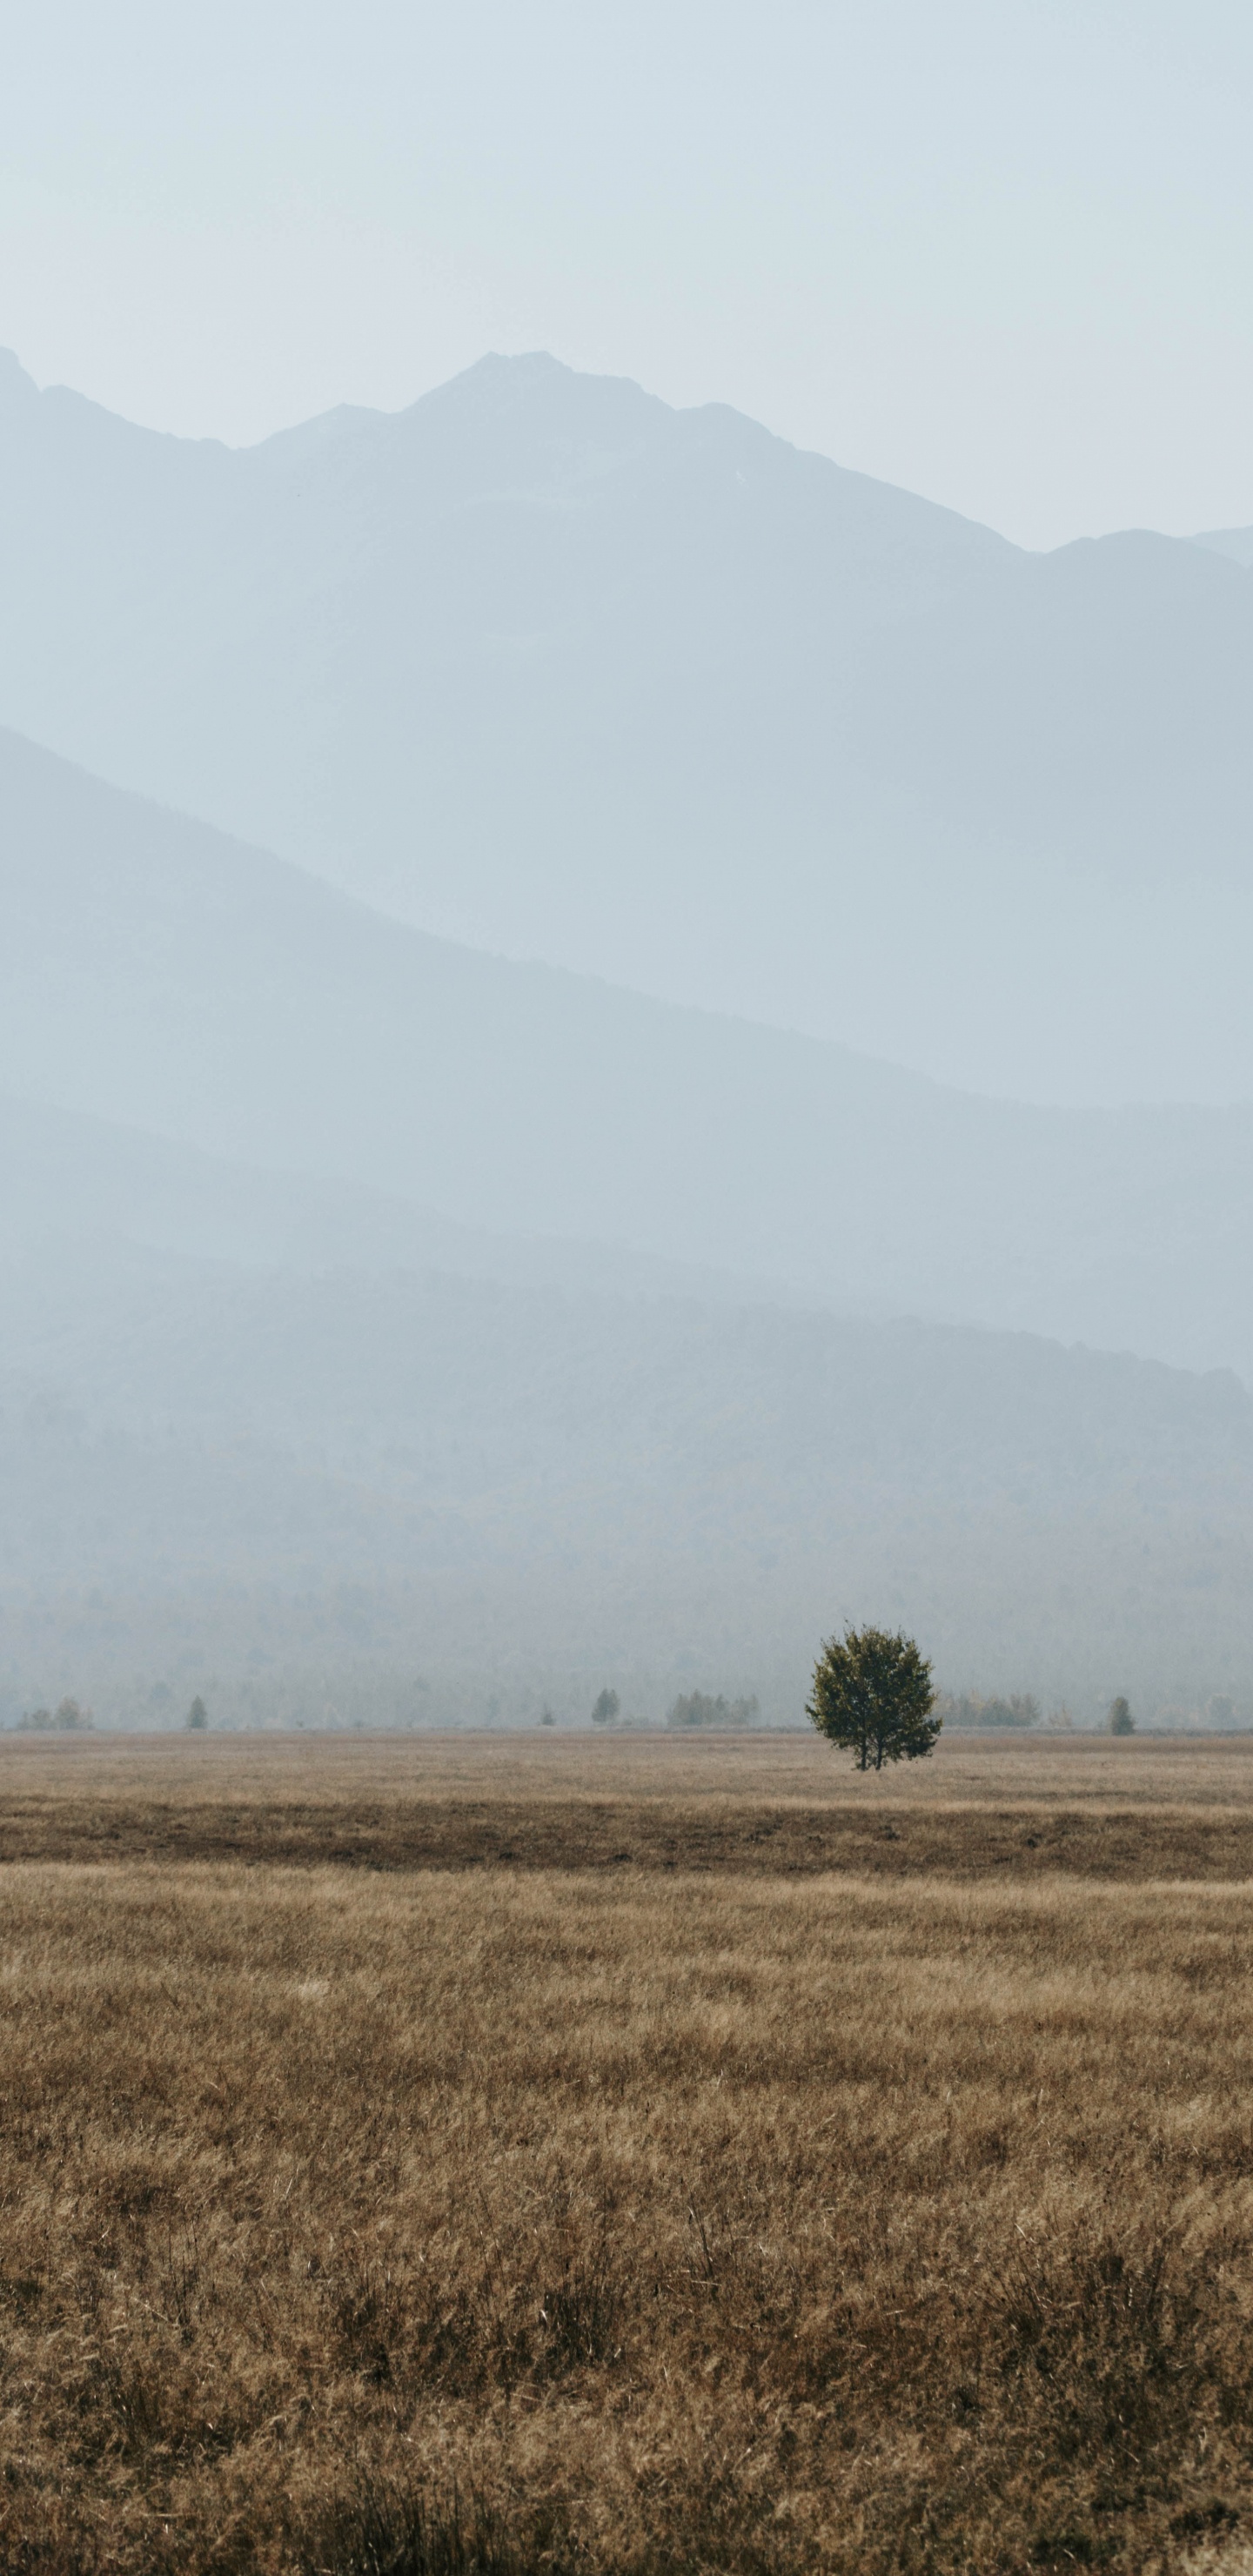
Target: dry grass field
x,y
433,2155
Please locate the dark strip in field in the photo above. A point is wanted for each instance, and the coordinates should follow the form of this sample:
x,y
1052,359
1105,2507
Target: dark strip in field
x,y
618,1834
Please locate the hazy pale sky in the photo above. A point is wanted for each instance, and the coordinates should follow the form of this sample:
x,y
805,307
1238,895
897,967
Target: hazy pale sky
x,y
1000,251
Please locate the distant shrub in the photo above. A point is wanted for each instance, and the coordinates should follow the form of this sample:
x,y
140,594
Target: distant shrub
x,y
1019,1710
66,1719
696,1708
606,1708
1120,1720
197,1714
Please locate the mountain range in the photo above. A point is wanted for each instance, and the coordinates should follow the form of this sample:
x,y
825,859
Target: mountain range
x,y
372,1307
402,1322
546,666
159,976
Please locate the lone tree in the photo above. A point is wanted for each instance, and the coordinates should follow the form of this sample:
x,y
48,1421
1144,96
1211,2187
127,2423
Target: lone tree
x,y
873,1693
197,1714
1120,1720
606,1708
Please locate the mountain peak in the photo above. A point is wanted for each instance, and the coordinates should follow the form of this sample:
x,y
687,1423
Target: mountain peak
x,y
523,362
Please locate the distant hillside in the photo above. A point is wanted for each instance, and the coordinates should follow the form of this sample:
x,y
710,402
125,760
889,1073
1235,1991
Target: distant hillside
x,y
545,665
250,1475
80,1196
158,976
370,1307
1235,543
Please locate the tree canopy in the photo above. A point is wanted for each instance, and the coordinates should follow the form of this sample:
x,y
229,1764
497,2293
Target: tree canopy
x,y
873,1694
697,1708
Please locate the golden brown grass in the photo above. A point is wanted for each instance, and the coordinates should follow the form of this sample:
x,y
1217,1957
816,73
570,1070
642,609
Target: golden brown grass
x,y
1072,1771
644,2220
778,1806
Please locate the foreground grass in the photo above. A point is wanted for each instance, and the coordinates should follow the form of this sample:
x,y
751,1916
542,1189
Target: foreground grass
x,y
643,2222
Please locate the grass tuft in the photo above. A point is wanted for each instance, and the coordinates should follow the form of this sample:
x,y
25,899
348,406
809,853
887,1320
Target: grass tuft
x,y
388,2531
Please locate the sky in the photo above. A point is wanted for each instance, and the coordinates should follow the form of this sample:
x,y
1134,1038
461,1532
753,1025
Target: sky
x,y
998,251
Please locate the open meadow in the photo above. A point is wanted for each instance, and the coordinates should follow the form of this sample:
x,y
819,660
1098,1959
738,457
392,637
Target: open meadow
x,y
630,2155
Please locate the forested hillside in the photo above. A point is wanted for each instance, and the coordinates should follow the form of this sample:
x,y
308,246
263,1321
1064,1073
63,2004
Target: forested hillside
x,y
508,1490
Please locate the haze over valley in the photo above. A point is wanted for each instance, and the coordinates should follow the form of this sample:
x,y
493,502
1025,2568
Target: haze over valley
x,y
615,1044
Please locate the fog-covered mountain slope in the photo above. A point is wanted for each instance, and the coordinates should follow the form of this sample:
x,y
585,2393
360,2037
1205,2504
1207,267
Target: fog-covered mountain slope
x,y
156,975
550,667
1235,543
82,1197
241,1473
